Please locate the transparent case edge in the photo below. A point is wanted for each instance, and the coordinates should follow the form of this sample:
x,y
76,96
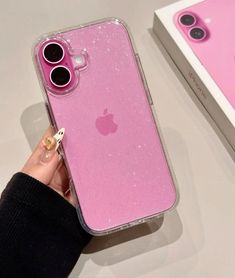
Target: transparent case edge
x,y
156,122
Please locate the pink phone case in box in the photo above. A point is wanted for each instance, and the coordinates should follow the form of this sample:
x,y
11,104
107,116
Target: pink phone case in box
x,y
112,148
216,51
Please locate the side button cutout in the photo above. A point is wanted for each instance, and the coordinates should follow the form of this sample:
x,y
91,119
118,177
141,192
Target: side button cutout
x,y
144,79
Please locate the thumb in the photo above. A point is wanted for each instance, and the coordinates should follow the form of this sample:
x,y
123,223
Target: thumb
x,y
43,163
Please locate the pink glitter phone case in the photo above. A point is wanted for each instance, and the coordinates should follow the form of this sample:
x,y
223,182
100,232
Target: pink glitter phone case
x,y
216,50
111,146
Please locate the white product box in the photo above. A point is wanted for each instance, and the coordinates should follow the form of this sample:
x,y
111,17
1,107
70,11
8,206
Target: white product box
x,y
193,70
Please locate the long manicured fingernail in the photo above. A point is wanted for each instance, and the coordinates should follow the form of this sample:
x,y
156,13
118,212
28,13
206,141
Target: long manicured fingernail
x,y
59,137
51,144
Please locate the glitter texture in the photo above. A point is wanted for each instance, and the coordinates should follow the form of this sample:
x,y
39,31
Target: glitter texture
x,y
120,176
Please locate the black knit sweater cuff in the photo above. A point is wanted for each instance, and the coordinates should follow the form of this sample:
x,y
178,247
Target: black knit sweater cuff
x,y
34,194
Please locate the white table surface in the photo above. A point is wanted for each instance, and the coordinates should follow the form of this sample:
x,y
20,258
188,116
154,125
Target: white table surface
x,y
195,240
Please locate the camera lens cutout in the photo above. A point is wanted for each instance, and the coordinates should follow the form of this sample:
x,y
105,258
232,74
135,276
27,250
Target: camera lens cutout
x,y
197,33
60,76
53,52
187,20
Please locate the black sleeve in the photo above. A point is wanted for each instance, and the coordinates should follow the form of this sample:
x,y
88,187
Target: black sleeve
x,y
40,235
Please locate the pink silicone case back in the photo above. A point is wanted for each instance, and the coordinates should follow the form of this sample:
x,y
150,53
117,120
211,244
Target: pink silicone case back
x,y
120,172
217,52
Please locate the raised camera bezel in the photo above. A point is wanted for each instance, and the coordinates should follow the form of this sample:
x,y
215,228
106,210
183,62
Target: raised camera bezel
x,y
198,23
46,59
56,67
187,14
200,28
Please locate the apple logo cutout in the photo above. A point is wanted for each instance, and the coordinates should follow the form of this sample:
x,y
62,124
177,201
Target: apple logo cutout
x,y
105,124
